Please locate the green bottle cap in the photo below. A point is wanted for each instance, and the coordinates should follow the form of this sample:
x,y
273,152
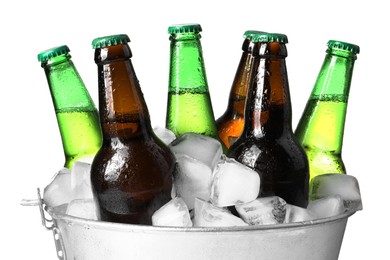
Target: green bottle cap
x,y
249,34
185,28
259,36
53,52
110,40
344,46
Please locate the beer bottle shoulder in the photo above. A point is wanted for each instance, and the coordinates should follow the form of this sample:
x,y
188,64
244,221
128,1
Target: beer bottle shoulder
x,y
142,160
269,154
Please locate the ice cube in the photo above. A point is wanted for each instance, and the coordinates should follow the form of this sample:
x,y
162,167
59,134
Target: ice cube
x,y
68,185
346,186
327,207
297,214
165,135
83,208
175,213
207,215
233,183
192,179
200,147
58,191
263,211
80,180
61,209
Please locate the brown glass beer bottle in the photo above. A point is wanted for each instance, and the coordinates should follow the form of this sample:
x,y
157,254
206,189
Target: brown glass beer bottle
x,y
231,123
132,173
267,143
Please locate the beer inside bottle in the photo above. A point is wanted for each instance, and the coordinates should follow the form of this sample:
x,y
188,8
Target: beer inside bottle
x,y
194,107
189,107
77,116
79,127
132,173
321,127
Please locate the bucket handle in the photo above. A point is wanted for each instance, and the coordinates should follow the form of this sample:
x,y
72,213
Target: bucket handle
x,y
47,223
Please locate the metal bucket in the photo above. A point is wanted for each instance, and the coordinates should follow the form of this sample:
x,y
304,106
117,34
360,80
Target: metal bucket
x,y
83,239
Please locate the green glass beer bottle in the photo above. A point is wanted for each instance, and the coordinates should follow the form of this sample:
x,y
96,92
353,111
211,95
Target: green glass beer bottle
x,y
267,143
77,116
189,106
321,127
132,173
231,122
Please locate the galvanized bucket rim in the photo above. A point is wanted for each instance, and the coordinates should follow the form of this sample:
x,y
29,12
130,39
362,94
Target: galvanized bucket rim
x,y
148,228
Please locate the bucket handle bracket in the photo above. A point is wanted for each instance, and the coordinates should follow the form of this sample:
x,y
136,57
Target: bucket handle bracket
x,y
47,223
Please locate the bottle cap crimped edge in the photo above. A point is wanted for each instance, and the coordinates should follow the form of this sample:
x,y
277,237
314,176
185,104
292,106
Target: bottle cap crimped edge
x,y
344,46
110,40
260,36
53,52
185,28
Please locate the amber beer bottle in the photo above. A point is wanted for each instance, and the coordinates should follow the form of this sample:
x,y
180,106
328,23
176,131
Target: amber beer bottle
x,y
267,143
231,123
131,174
321,127
77,116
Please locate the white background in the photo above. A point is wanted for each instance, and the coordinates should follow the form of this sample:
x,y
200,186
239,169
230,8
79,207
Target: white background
x,y
31,150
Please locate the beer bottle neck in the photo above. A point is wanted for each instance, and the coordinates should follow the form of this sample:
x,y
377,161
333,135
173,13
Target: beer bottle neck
x,y
67,89
268,106
122,108
187,70
239,89
335,75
